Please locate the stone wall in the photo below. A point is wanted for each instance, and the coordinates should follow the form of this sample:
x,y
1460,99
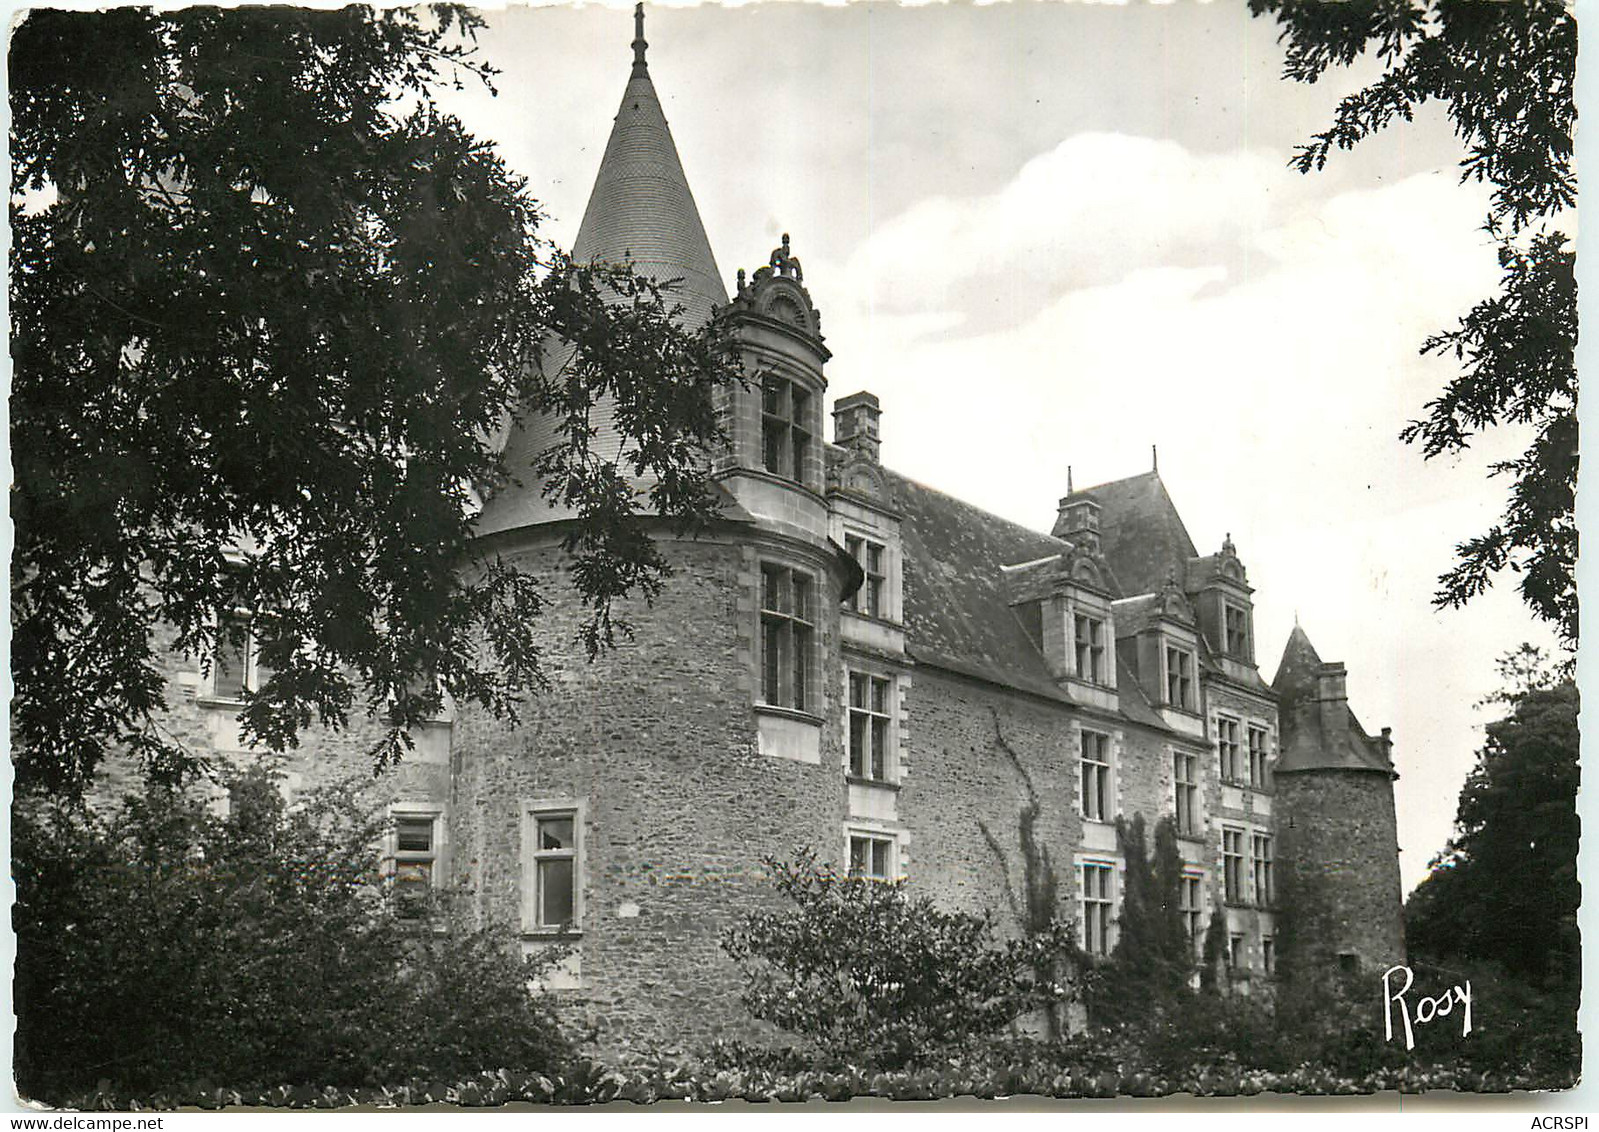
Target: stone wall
x,y
657,741
1341,887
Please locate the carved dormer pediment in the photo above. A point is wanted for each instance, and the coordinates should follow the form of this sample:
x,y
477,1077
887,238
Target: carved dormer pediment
x,y
1172,603
861,477
777,292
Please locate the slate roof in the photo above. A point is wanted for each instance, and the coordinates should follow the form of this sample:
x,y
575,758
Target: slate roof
x,y
640,209
957,610
958,615
1304,743
1140,531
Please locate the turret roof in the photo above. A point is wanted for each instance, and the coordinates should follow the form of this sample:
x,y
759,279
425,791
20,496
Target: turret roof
x,y
641,207
1309,740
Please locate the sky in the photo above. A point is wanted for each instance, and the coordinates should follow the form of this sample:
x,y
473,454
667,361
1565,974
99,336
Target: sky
x,y
1054,235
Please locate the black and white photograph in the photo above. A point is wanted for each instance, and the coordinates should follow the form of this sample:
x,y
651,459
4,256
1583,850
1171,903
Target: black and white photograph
x,y
669,555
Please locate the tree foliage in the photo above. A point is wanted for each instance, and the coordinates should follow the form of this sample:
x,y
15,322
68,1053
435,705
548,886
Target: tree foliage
x,y
1505,73
1149,969
163,948
871,975
269,306
1505,889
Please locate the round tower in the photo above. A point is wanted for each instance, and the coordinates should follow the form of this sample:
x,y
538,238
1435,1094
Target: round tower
x,y
626,812
1336,823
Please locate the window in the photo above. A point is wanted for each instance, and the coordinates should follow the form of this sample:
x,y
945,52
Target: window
x,y
1191,904
553,901
786,634
871,857
785,427
1236,631
236,667
1348,963
1232,859
1089,633
869,729
1097,804
1260,865
1232,768
871,598
415,862
1235,951
1180,678
1096,909
1258,775
1185,772
1268,954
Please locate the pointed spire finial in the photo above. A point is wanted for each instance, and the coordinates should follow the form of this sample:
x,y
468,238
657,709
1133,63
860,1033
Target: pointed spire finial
x,y
1068,479
639,42
1154,458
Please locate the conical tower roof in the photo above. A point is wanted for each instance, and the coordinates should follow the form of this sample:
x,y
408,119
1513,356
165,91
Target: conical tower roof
x,y
640,211
641,207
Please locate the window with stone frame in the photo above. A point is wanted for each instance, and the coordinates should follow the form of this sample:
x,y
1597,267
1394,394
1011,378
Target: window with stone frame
x,y
786,428
1235,631
1098,799
1088,634
1268,953
871,727
1261,867
413,865
1259,772
1235,951
554,896
788,632
1232,763
1180,691
1098,908
1185,778
872,598
235,661
871,856
1232,863
1191,906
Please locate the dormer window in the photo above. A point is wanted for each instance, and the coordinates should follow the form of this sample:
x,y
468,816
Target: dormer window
x,y
785,427
1236,631
1089,635
1179,678
871,598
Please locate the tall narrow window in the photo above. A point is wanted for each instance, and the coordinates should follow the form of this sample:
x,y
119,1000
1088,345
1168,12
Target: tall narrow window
x,y
1232,859
1191,904
1268,954
1235,951
1257,759
1260,863
1180,678
415,862
1097,805
555,868
872,598
1185,772
871,857
869,726
1232,767
787,630
1097,905
1089,633
1236,631
785,427
236,666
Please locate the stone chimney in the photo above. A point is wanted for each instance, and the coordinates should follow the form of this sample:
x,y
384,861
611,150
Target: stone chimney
x,y
855,424
1332,697
1078,522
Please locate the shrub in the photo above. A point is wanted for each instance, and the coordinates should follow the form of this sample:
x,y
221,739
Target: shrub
x,y
162,947
870,975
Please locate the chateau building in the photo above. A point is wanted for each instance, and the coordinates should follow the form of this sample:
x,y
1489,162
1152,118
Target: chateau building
x,y
853,662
